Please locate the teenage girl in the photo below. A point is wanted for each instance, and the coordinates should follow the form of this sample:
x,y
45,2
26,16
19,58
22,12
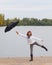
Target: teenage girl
x,y
32,40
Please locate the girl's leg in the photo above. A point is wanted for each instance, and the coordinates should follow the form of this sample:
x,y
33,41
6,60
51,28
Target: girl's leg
x,y
40,46
31,52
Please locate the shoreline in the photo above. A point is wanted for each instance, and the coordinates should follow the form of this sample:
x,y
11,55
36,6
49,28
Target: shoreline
x,y
47,60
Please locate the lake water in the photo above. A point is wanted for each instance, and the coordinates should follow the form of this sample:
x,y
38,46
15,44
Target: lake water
x,y
13,45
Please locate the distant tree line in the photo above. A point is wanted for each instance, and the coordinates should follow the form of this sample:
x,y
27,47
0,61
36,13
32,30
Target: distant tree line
x,y
31,22
26,21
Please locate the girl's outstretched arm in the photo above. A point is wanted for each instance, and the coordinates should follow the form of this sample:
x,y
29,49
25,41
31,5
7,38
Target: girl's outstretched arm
x,y
38,38
21,34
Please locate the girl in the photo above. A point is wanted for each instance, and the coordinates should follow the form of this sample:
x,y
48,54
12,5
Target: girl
x,y
32,41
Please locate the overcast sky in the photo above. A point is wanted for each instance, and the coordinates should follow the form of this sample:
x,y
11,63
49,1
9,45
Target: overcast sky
x,y
26,8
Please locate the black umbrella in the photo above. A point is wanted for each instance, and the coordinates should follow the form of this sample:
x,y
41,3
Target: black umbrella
x,y
11,26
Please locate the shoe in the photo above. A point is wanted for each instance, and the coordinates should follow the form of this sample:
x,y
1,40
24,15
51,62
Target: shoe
x,y
31,60
45,48
31,57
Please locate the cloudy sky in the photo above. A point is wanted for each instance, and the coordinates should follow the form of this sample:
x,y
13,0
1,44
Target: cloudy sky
x,y
26,8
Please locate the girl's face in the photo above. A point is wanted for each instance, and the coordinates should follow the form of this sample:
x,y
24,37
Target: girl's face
x,y
29,34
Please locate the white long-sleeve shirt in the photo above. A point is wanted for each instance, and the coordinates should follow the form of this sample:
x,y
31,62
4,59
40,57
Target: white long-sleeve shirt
x,y
30,40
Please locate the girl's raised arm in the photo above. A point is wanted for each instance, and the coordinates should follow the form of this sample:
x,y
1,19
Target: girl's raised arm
x,y
21,34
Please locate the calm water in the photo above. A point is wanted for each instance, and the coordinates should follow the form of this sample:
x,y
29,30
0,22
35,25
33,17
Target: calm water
x,y
13,45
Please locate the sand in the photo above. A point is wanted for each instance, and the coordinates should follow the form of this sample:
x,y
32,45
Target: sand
x,y
25,61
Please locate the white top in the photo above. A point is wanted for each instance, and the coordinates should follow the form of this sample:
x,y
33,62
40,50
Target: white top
x,y
30,40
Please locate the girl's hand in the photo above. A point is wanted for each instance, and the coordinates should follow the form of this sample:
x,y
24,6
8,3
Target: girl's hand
x,y
17,32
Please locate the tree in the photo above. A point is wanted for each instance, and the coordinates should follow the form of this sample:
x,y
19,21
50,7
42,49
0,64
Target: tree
x,y
1,19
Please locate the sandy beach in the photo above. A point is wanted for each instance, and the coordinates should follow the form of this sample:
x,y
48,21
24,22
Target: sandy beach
x,y
25,61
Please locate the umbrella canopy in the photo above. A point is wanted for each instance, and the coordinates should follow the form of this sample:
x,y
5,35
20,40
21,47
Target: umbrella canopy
x,y
11,26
